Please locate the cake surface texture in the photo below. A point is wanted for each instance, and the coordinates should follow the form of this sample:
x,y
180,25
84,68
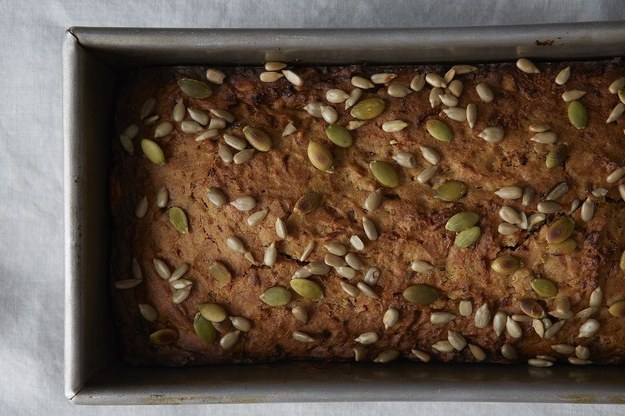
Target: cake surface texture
x,y
237,180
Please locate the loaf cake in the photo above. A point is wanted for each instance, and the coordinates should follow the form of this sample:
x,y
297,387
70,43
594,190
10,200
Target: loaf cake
x,y
370,213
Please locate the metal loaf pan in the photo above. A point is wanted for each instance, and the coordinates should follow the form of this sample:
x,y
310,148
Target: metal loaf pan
x,y
95,58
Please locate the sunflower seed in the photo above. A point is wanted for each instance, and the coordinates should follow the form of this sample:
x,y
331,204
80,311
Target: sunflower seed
x,y
180,295
509,215
366,290
560,315
147,108
435,80
449,100
329,114
441,318
235,244
216,197
302,337
216,123
616,113
127,144
599,192
127,283
435,97
485,92
148,312
588,328
513,328
617,85
588,210
464,69
547,137
300,314
361,82
510,192
346,272
456,340
420,266
449,75
243,156
307,250
521,318
563,348
508,352
244,203
537,362
317,268
616,175
142,207
577,361
372,276
548,207
334,260
507,229
539,327
270,76
293,78
354,96
477,352
390,318
621,95
313,109
578,116
386,356
563,76
370,229
527,66
228,340
471,114
197,115
553,329
179,272
455,87
336,96
557,191
357,243
180,283
465,308
271,253
208,134
281,230
288,130
351,290
418,82
274,66
215,76
136,269
482,316
571,95
621,191
367,338
492,134
421,356
539,128
235,142
397,90
426,174
224,153
582,352
443,346
456,113
354,261
382,78
499,323
151,120
430,154
373,200
161,269
547,358
394,126
587,313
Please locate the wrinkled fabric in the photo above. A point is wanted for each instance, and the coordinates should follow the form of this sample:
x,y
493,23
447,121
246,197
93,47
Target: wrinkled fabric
x,y
31,164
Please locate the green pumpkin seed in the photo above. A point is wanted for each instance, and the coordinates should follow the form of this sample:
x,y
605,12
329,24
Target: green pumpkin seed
x,y
451,191
557,156
164,336
307,288
153,152
532,308
339,135
368,108
420,294
506,264
308,202
563,248
219,272
320,157
439,130
622,263
212,312
544,287
560,230
179,219
617,309
384,173
194,88
461,221
467,237
257,138
204,328
578,116
276,296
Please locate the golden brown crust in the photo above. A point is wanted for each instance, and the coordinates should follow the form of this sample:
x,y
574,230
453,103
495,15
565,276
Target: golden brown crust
x,y
410,221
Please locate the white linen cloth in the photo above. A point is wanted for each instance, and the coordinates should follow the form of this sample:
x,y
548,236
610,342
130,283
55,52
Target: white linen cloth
x,y
31,157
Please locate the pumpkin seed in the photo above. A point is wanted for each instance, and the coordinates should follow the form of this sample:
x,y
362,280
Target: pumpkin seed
x,y
467,237
164,336
212,312
563,248
276,296
320,157
339,135
307,288
178,219
384,173
148,312
617,309
420,294
439,130
578,116
368,108
527,66
450,191
532,308
462,221
228,340
557,156
560,230
153,152
506,264
308,203
544,287
257,138
563,76
204,328
194,88
219,272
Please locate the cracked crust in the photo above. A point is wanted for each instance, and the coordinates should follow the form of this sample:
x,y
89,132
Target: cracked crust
x,y
411,223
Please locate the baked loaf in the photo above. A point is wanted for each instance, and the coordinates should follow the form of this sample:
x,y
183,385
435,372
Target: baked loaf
x,y
231,194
